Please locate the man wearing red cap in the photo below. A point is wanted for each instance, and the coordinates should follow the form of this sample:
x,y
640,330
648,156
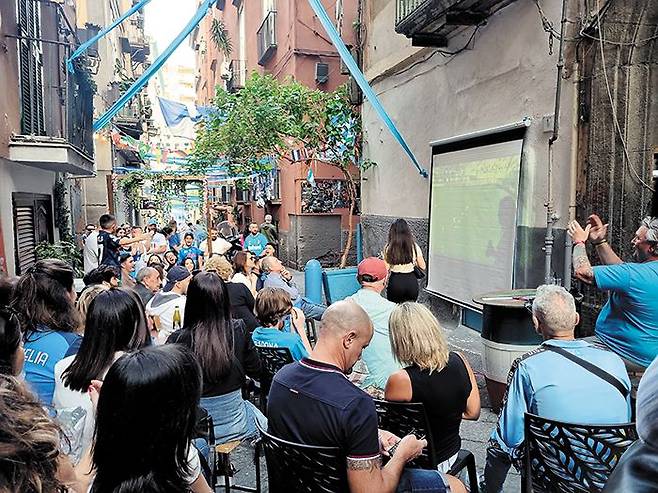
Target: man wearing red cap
x,y
377,361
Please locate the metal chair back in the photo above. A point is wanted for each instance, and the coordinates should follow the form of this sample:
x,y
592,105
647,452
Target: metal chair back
x,y
570,457
403,418
303,468
272,359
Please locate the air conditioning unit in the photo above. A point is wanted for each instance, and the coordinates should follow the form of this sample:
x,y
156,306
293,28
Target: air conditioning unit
x,y
321,73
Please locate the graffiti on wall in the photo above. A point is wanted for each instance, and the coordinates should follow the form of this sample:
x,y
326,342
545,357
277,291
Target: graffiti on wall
x,y
325,197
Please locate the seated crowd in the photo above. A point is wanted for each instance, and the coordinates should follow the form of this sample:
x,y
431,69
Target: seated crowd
x,y
103,390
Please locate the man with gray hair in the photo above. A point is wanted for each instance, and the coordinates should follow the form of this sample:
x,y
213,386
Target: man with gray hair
x,y
628,323
148,283
564,379
278,277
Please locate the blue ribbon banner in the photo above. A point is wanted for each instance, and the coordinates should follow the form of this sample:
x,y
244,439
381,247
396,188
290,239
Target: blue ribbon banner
x,y
85,46
157,64
362,82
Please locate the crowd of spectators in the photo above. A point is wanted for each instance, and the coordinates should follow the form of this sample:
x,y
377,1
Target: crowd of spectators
x,y
103,390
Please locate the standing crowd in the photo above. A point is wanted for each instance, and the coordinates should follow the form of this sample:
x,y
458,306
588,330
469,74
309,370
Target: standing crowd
x,y
103,390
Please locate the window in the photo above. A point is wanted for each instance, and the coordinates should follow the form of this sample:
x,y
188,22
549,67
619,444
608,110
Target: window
x,y
31,67
33,224
242,195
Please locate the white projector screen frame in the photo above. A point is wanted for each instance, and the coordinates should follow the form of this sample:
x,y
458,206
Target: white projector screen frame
x,y
473,220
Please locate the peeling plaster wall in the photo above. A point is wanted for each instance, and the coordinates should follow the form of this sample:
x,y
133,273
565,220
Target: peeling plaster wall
x,y
508,75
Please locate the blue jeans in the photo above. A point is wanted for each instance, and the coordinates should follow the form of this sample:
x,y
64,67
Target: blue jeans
x,y
310,309
233,417
422,480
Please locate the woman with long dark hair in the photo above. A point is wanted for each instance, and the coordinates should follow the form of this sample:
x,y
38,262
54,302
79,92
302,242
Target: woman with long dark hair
x,y
44,298
115,324
11,343
145,424
226,355
405,263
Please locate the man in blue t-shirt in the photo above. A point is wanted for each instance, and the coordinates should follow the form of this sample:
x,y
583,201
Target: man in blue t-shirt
x,y
188,250
256,241
628,323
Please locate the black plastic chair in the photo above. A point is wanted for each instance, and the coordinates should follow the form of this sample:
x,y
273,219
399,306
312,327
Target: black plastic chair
x,y
403,418
569,457
272,359
294,467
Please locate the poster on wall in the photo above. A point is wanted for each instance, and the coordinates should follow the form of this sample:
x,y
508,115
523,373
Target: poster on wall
x,y
473,219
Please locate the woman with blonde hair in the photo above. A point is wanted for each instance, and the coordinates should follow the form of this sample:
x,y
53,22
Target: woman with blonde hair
x,y
439,378
85,299
242,301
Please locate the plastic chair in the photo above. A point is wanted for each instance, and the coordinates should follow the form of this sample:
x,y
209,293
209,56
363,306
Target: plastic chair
x,y
272,359
403,418
569,457
294,467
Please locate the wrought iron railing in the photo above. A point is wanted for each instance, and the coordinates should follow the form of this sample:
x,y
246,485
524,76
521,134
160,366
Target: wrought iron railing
x,y
404,8
238,77
80,95
267,37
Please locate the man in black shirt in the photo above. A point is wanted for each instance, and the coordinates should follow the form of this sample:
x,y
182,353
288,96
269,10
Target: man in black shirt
x,y
312,402
109,245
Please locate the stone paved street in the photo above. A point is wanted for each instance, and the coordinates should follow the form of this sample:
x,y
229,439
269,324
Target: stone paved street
x,y
475,434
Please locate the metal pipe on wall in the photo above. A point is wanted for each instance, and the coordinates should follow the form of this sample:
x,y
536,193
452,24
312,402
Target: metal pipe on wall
x,y
551,216
573,176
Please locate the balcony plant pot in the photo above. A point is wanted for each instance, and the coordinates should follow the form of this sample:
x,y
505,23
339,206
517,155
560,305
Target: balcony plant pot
x,y
339,283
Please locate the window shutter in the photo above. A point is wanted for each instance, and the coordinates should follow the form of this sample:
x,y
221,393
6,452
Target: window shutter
x,y
25,237
31,68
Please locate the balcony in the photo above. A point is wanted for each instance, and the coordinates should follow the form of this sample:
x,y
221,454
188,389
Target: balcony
x,y
66,147
267,38
237,75
432,22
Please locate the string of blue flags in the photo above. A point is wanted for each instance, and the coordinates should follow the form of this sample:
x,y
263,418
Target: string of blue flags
x,y
85,46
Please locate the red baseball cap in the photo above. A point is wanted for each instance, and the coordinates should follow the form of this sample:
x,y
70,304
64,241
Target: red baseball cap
x,y
373,267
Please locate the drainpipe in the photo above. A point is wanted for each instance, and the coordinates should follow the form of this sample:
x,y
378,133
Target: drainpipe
x,y
568,244
551,216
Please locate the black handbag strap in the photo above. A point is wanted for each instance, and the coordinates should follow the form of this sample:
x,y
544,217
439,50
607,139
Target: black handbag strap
x,y
604,375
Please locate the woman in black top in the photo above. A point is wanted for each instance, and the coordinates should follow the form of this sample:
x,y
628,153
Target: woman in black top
x,y
402,256
242,301
226,354
442,380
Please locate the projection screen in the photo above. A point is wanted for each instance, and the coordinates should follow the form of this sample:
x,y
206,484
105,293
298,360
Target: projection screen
x,y
473,218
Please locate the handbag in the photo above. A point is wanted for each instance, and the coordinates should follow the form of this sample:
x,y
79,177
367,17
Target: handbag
x,y
418,272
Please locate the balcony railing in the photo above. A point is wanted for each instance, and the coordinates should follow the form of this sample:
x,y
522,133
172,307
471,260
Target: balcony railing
x,y
432,22
267,38
404,8
238,77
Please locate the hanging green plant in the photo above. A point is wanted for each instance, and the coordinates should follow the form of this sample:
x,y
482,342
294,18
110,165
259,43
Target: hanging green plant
x,y
220,37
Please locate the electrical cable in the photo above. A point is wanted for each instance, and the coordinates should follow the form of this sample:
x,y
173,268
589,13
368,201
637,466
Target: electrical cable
x,y
446,54
627,160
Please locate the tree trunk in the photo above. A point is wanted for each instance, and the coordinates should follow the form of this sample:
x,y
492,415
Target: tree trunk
x,y
351,187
